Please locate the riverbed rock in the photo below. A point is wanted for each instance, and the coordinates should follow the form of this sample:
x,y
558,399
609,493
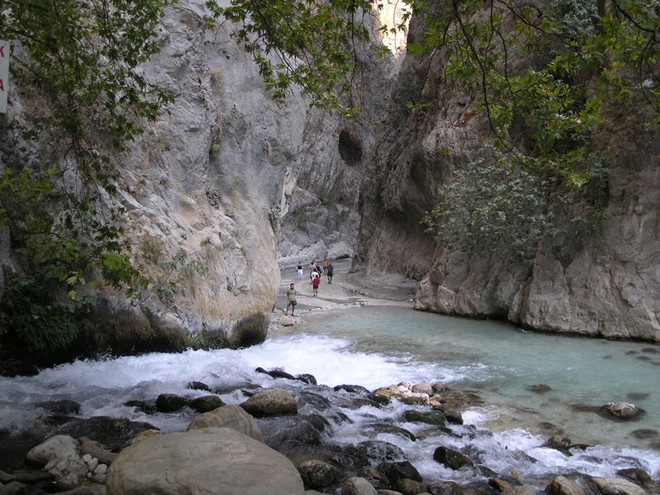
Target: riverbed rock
x,y
66,407
636,475
395,471
451,458
221,461
560,485
171,402
287,321
616,486
282,431
271,402
436,418
319,474
229,416
206,403
357,486
97,450
380,451
621,410
60,456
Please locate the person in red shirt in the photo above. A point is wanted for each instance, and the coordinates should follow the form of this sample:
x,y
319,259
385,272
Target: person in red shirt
x,y
316,281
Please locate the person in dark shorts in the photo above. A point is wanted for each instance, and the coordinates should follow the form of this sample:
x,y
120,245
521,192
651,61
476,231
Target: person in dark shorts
x,y
291,299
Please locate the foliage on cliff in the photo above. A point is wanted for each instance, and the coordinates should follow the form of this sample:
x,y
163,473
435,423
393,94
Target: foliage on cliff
x,y
543,75
305,43
76,66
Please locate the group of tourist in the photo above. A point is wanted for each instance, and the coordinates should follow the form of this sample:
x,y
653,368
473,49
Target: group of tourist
x,y
315,273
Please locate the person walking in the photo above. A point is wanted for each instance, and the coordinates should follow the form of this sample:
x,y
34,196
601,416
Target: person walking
x,y
316,281
331,269
291,299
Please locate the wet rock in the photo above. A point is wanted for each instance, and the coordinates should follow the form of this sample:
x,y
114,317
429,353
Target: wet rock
x,y
14,488
352,389
410,487
520,490
60,456
391,429
636,475
616,486
644,433
319,474
96,450
395,471
145,407
539,388
14,446
307,378
229,416
436,418
113,433
287,321
206,403
312,402
562,444
380,451
423,388
357,486
276,373
201,460
445,488
453,459
198,386
283,431
66,407
349,458
638,395
620,410
143,435
171,402
271,402
403,392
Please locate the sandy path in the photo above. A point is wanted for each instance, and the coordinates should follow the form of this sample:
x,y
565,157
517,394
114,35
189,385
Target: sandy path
x,y
347,289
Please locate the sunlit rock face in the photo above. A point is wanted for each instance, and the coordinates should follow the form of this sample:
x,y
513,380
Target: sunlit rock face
x,y
605,285
224,185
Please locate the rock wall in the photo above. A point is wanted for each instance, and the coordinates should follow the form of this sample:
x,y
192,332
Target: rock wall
x,y
237,181
224,185
607,288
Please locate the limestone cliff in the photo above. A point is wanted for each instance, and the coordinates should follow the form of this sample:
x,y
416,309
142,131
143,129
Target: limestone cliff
x,y
236,180
607,287
224,184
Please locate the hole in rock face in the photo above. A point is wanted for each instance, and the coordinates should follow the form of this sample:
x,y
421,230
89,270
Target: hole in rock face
x,y
350,148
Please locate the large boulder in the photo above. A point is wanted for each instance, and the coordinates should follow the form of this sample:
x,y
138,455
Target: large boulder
x,y
271,402
620,410
616,486
221,461
60,456
230,416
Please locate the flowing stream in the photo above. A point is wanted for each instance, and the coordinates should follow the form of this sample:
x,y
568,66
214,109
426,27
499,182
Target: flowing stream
x,y
375,346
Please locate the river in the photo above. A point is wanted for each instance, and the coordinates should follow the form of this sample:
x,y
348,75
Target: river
x,y
376,345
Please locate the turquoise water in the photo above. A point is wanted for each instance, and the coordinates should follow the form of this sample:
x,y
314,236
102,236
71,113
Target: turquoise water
x,y
501,362
376,346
